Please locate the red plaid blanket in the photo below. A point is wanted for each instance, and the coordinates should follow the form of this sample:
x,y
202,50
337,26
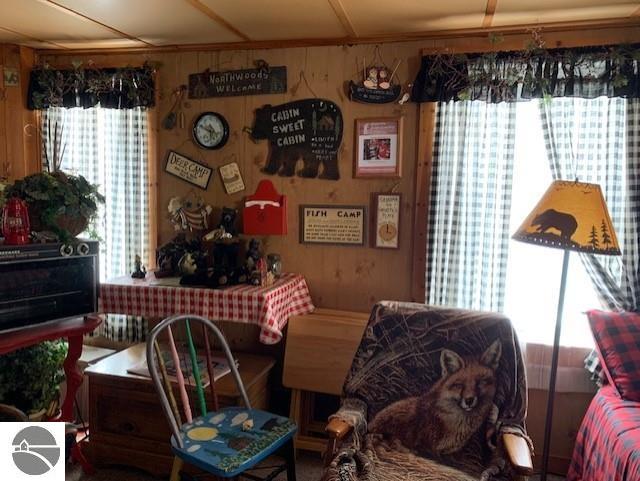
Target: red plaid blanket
x,y
608,444
268,307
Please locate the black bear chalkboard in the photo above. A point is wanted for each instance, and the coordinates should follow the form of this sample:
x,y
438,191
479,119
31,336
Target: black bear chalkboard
x,y
309,130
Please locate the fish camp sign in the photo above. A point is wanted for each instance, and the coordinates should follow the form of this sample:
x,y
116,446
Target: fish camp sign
x,y
234,83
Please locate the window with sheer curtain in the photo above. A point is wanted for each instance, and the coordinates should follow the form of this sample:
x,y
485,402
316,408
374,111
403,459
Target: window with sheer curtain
x,y
110,148
491,164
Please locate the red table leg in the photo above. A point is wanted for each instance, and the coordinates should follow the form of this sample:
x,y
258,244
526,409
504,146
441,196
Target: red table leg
x,y
73,377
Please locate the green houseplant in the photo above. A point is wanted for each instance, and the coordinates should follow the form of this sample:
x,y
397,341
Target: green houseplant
x,y
30,378
61,203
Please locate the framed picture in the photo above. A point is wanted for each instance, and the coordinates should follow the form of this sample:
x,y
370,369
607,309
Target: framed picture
x,y
378,147
385,227
188,170
333,224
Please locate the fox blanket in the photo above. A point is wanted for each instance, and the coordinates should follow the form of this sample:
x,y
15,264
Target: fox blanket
x,y
429,393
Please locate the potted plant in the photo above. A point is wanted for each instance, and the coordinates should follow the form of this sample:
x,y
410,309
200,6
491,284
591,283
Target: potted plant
x,y
30,378
61,203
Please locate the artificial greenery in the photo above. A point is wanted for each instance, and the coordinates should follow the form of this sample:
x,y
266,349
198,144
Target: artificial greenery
x,y
533,72
87,86
52,197
30,378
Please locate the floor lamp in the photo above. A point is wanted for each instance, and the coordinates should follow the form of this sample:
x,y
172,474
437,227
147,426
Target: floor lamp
x,y
572,216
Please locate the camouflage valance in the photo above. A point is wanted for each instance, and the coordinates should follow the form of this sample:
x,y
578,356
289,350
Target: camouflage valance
x,y
611,71
113,88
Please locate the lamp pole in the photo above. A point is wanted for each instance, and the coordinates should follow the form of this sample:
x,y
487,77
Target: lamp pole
x,y
554,368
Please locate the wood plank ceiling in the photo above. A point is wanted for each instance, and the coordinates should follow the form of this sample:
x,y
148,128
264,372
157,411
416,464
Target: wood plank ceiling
x,y
161,24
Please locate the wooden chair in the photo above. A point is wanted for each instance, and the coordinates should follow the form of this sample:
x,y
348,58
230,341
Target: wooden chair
x,y
226,442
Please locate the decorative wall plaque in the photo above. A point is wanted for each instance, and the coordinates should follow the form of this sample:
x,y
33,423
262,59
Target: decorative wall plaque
x,y
333,224
307,130
188,170
233,83
378,147
231,178
385,232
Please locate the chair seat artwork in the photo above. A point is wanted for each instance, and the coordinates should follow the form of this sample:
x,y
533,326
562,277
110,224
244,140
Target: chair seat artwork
x,y
433,394
225,442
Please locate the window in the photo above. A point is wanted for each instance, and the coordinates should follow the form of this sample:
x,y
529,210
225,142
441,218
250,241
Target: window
x,y
533,272
110,148
490,167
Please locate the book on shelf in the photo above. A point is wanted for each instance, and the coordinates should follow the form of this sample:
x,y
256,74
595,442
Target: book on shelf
x,y
220,367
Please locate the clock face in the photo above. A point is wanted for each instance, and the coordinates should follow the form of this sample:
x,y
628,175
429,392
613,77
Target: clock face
x,y
387,231
210,130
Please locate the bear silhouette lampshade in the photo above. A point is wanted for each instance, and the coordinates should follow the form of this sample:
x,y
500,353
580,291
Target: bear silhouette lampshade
x,y
571,215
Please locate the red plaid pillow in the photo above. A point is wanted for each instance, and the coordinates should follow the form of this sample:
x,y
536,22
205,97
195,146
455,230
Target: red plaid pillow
x,y
617,336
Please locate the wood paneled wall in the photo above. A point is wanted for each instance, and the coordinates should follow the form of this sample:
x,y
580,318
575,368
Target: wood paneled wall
x,y
339,277
350,278
18,134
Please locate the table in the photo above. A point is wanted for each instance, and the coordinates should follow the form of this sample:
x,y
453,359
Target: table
x,y
318,356
71,329
269,307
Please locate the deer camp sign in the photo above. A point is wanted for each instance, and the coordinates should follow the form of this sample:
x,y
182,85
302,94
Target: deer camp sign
x,y
234,83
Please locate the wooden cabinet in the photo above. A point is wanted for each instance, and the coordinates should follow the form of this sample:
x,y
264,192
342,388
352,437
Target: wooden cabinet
x,y
127,424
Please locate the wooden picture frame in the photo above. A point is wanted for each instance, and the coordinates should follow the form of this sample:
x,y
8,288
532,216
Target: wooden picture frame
x,y
378,147
333,224
187,169
386,211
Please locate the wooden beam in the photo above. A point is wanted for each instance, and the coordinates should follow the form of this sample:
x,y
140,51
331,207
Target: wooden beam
x,y
617,25
343,16
636,13
489,12
197,4
77,14
24,36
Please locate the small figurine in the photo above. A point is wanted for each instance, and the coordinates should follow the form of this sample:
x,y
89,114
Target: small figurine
x,y
192,216
383,78
253,254
372,78
140,271
228,221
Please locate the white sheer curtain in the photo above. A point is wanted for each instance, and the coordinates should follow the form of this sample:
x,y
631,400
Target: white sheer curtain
x,y
109,148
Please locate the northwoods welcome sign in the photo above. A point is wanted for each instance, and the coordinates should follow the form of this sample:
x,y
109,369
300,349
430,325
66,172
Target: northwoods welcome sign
x,y
232,83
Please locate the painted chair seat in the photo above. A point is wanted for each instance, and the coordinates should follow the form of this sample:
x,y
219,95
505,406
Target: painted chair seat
x,y
218,444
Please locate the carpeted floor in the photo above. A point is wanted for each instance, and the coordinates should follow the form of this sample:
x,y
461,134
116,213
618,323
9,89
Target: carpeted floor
x,y
308,468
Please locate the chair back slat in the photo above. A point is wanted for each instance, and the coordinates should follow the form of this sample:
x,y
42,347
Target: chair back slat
x,y
210,370
170,406
196,370
186,406
167,382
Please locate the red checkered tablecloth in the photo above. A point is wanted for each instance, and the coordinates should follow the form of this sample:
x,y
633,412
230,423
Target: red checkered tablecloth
x,y
268,307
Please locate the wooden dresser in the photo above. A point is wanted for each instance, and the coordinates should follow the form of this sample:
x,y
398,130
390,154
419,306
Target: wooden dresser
x,y
127,424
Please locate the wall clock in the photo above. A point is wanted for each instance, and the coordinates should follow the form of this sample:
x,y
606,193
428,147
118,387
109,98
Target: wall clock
x,y
210,130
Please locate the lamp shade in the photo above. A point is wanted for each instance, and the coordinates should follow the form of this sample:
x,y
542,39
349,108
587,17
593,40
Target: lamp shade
x,y
573,216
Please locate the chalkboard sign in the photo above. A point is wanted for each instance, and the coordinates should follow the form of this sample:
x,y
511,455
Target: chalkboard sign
x,y
233,83
307,130
362,94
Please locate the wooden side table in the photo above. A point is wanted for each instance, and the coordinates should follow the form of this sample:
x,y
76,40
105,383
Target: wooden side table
x,y
128,426
318,355
70,329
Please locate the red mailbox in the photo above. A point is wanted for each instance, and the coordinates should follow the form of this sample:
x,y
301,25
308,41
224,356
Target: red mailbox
x,y
265,212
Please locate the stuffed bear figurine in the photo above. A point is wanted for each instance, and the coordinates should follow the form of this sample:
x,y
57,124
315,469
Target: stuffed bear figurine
x,y
228,221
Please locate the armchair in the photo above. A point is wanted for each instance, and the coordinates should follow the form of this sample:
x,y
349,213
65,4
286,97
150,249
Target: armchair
x,y
433,394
